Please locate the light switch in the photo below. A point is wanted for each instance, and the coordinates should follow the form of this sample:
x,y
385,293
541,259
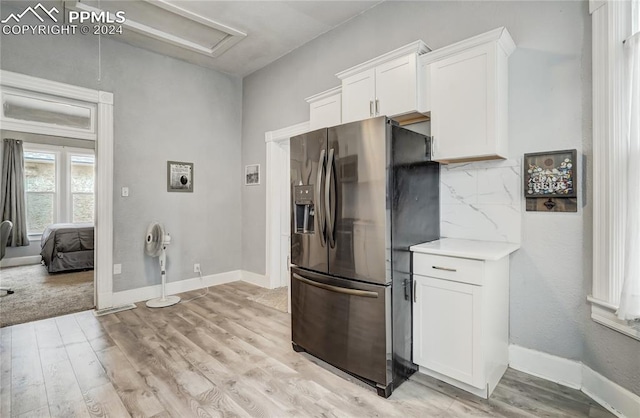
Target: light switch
x,y
125,192
117,268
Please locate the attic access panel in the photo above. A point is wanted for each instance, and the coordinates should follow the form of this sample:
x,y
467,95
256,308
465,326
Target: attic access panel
x,y
167,23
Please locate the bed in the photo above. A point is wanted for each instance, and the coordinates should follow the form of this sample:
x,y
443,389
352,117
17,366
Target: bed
x,y
67,247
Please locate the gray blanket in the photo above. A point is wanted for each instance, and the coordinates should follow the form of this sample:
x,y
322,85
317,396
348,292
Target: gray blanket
x,y
67,247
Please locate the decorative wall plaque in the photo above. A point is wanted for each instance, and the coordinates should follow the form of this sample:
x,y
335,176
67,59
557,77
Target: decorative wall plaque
x,y
550,181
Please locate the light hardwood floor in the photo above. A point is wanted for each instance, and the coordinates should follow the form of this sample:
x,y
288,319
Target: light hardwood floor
x,y
222,355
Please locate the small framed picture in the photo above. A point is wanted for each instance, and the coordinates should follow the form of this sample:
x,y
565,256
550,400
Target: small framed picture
x,y
550,174
179,177
252,175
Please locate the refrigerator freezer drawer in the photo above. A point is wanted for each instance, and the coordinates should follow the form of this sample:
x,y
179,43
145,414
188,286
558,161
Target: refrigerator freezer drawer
x,y
343,323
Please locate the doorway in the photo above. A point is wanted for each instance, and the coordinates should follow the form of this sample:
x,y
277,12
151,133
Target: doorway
x,y
35,106
278,233
54,274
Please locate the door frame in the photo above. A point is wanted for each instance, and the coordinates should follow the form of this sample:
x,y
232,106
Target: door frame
x,y
277,201
103,278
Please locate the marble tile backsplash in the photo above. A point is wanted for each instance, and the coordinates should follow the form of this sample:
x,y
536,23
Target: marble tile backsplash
x,y
481,200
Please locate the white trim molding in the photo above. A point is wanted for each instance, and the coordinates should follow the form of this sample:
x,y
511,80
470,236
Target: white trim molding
x,y
277,143
574,374
500,35
232,36
39,85
324,94
286,133
546,366
255,278
595,5
104,161
605,314
616,399
141,294
104,202
610,26
417,47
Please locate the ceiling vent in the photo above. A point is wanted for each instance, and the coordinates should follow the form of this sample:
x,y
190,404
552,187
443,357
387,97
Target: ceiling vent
x,y
162,26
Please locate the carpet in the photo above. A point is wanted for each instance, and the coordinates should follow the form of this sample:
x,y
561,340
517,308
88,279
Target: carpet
x,y
277,298
40,295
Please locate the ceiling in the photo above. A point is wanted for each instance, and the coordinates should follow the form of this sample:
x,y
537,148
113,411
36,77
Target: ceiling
x,y
234,37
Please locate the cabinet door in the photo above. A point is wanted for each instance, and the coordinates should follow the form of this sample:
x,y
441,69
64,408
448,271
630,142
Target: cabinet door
x,y
326,112
358,94
447,329
463,90
396,89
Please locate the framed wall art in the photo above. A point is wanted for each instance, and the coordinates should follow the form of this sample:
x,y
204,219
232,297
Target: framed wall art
x,y
179,176
550,181
252,175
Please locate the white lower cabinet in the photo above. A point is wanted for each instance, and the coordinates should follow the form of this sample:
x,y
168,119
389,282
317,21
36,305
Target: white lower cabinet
x,y
446,336
461,320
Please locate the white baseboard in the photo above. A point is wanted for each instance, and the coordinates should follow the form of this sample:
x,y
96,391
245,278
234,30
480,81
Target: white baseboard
x,y
618,400
554,368
21,261
255,278
150,292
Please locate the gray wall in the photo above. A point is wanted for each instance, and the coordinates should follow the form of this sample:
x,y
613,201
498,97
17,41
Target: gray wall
x,y
550,108
165,109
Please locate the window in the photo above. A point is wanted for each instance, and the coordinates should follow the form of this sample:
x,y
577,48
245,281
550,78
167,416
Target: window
x,y
82,187
614,160
59,186
40,187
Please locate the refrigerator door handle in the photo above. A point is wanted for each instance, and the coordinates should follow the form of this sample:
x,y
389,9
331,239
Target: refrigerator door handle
x,y
322,226
336,289
327,201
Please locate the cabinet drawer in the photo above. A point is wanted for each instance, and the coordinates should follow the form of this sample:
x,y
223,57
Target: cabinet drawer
x,y
455,269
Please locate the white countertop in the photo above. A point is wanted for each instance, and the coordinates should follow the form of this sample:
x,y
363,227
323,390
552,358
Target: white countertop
x,y
465,248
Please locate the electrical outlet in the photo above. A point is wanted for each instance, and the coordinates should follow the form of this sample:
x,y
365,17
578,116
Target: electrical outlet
x,y
117,268
196,268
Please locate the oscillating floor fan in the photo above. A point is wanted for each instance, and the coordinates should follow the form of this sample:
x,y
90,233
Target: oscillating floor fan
x,y
155,246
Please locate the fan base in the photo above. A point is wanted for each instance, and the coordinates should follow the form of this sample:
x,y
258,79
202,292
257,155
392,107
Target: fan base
x,y
162,303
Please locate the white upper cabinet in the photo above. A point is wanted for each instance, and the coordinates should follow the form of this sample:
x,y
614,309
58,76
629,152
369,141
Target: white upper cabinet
x,y
325,109
468,89
359,94
388,85
396,83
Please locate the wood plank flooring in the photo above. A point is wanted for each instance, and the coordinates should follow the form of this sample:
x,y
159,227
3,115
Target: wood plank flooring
x,y
223,355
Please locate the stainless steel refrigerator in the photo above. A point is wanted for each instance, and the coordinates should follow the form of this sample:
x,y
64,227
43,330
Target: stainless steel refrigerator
x,y
362,193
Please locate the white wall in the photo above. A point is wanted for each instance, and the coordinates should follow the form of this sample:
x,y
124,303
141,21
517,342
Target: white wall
x,y
165,109
549,109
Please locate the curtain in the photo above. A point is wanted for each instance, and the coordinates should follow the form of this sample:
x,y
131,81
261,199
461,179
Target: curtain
x,y
12,197
630,297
